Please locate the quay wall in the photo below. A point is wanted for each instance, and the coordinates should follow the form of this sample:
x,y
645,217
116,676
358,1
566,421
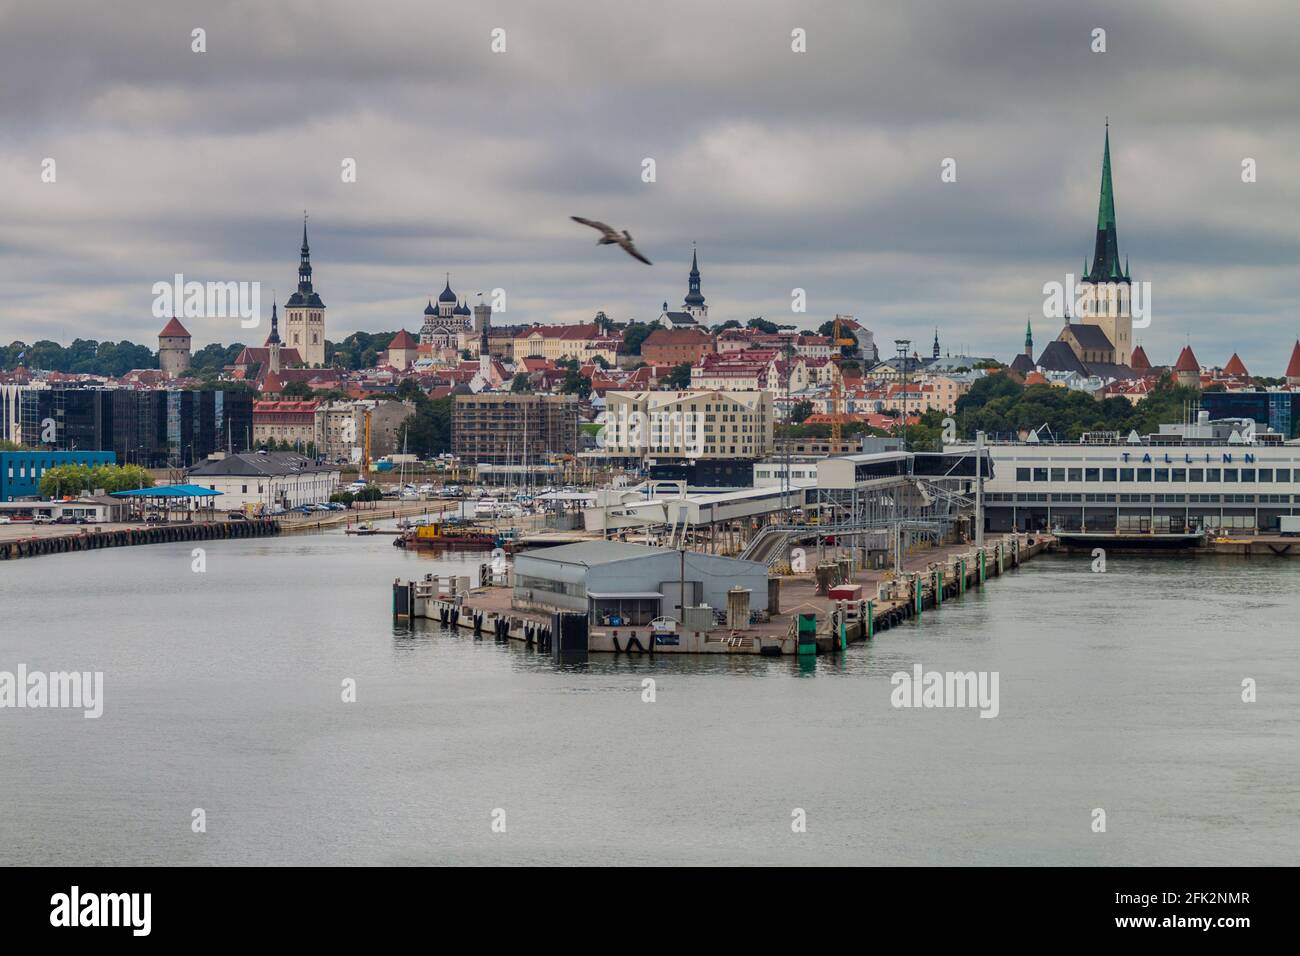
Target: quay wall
x,y
95,538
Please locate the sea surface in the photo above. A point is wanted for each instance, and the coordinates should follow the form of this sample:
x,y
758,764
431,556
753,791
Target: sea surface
x,y
223,690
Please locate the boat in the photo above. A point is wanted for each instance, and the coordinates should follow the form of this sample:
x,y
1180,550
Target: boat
x,y
438,534
485,508
364,527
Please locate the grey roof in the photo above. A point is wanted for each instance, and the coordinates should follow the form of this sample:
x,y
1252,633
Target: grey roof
x,y
1023,364
1059,357
953,362
592,553
250,463
681,318
1090,336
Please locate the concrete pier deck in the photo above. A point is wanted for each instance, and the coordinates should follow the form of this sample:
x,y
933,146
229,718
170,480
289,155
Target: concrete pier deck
x,y
929,578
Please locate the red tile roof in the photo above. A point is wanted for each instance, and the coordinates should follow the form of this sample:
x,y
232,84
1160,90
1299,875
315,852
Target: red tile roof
x,y
1187,361
403,340
1293,367
1235,366
174,327
1139,361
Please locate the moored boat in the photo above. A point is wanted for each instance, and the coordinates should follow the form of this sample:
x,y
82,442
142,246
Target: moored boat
x,y
438,534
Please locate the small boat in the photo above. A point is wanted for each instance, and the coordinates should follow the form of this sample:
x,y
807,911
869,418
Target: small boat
x,y
440,535
364,527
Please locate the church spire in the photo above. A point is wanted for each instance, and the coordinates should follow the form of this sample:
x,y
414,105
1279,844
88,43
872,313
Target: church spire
x,y
304,261
1029,339
694,300
936,343
1105,256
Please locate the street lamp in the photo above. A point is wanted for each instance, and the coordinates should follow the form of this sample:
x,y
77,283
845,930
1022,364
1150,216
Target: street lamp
x,y
903,346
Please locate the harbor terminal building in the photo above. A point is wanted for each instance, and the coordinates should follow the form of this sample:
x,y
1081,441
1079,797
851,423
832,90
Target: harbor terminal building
x,y
616,582
1212,474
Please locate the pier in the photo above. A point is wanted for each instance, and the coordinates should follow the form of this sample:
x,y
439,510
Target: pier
x,y
810,619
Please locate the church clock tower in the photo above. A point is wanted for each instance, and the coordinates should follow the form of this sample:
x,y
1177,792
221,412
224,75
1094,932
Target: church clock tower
x,y
304,313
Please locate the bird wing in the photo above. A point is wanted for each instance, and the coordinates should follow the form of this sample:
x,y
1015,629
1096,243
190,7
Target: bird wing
x,y
631,250
594,225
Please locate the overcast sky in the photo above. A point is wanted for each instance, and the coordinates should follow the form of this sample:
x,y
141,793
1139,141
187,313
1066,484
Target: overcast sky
x,y
816,170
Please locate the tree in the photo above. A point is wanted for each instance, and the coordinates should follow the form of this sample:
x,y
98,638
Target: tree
x,y
680,376
428,428
519,384
575,384
600,360
78,479
635,334
763,325
369,493
800,412
409,390
298,390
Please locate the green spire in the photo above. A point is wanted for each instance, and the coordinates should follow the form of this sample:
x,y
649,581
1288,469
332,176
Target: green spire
x,y
1106,207
1029,335
1105,256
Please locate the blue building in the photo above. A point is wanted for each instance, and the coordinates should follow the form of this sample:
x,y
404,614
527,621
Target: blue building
x,y
21,471
1279,411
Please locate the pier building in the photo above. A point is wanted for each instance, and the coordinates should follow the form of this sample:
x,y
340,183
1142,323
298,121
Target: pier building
x,y
1208,475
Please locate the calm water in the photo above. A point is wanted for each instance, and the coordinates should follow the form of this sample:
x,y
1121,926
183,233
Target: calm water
x,y
1119,691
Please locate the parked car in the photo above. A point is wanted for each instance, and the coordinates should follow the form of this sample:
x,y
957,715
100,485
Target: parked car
x,y
42,519
154,516
5,519
236,516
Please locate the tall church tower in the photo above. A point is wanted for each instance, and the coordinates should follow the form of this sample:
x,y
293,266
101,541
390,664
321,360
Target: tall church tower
x,y
1106,300
693,304
304,313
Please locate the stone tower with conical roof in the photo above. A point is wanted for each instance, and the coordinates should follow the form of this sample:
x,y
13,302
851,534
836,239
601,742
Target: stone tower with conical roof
x,y
304,313
1105,299
174,349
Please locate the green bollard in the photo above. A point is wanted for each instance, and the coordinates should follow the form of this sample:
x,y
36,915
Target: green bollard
x,y
961,586
916,586
981,567
938,587
871,620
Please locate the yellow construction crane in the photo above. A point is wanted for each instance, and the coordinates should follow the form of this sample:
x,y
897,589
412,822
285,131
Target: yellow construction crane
x,y
838,342
365,442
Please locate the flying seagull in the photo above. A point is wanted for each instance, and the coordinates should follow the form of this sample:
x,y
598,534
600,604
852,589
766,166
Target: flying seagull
x,y
608,237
